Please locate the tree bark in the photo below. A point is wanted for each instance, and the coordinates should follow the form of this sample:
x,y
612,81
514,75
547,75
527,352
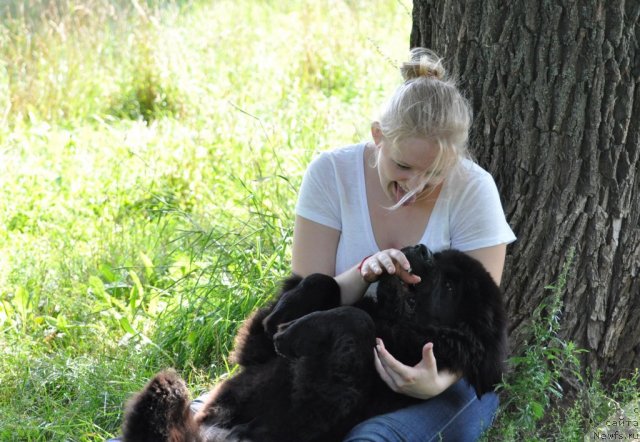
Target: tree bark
x,y
555,90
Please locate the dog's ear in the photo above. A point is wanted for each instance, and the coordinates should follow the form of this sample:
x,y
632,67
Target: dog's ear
x,y
480,361
489,327
486,372
482,310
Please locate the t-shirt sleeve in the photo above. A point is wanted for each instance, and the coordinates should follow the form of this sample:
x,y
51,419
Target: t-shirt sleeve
x,y
318,199
478,218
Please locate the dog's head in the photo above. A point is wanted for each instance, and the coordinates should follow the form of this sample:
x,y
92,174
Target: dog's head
x,y
435,300
460,302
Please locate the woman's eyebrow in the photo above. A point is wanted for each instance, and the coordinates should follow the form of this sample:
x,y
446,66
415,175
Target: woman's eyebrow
x,y
403,163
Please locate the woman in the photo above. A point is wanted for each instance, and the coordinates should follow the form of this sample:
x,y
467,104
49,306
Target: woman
x,y
414,183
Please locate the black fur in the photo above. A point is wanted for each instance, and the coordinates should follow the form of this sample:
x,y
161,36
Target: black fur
x,y
307,363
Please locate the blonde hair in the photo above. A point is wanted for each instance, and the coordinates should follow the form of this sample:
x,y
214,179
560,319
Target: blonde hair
x,y
428,105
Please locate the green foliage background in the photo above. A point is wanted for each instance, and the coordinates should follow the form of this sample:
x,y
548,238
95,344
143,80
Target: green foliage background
x,y
150,154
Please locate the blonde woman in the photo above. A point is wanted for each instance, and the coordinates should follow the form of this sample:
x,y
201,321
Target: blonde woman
x,y
413,183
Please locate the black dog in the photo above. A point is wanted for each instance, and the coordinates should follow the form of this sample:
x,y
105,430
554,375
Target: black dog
x,y
307,363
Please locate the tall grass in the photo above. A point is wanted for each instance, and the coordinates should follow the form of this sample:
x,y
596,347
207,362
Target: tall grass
x,y
150,154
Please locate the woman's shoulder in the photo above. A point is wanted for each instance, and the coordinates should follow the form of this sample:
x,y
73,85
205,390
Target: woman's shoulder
x,y
338,159
471,188
344,153
475,209
468,173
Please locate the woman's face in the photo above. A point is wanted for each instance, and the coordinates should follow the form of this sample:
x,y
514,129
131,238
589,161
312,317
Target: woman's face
x,y
406,167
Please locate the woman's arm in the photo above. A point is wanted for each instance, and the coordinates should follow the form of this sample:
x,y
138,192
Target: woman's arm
x,y
314,251
492,258
314,248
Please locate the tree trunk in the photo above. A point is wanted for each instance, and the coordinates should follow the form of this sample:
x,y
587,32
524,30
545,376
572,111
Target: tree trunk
x,y
555,88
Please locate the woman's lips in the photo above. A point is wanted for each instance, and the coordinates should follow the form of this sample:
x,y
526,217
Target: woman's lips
x,y
400,193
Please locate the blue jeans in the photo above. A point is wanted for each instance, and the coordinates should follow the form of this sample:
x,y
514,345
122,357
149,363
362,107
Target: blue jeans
x,y
454,415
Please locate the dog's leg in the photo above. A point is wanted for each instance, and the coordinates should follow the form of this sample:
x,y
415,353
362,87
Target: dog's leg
x,y
331,355
161,412
314,293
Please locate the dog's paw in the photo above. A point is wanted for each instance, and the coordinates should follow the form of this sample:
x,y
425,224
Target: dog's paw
x,y
161,408
284,343
167,390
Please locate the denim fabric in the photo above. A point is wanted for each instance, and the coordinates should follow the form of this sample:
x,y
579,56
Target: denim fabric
x,y
455,415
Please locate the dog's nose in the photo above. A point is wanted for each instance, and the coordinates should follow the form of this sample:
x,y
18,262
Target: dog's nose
x,y
425,253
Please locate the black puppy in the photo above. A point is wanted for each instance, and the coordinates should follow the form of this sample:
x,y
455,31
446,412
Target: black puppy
x,y
307,362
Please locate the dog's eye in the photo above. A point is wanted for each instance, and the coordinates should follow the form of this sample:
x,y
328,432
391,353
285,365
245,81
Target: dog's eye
x,y
449,288
407,286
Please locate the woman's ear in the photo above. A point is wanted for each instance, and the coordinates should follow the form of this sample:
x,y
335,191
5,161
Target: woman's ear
x,y
376,133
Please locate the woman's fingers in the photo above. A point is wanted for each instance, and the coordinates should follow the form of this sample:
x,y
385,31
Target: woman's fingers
x,y
421,381
400,258
395,374
391,261
387,262
382,372
408,277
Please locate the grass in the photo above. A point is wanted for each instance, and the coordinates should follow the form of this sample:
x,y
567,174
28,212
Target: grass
x,y
150,154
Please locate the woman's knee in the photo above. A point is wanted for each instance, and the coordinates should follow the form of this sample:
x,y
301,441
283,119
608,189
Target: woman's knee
x,y
458,415
377,429
473,420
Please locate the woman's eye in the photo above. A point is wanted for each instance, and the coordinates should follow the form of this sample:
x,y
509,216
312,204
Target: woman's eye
x,y
402,166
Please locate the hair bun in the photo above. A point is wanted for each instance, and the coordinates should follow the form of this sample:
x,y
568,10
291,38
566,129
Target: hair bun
x,y
423,63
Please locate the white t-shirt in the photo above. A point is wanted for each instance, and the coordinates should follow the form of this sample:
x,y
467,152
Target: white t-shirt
x,y
467,215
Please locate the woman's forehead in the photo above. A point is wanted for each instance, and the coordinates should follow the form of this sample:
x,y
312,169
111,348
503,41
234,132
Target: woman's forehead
x,y
419,153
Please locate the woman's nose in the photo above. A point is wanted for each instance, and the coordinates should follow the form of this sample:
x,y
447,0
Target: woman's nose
x,y
405,176
409,181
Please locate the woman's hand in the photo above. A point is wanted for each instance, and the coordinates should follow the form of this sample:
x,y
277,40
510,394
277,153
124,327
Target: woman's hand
x,y
422,381
392,261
